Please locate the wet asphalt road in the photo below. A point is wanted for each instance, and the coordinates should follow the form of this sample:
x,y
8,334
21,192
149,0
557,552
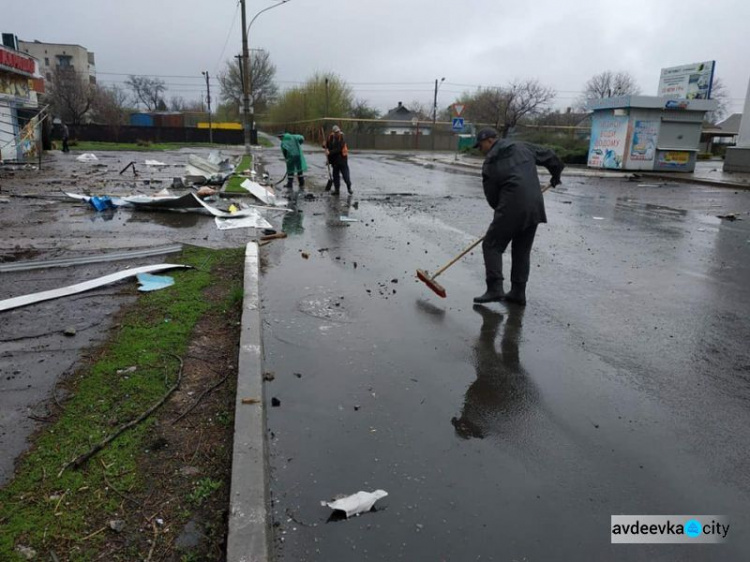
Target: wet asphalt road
x,y
502,433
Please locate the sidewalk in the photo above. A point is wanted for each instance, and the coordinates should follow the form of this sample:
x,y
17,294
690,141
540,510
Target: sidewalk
x,y
706,172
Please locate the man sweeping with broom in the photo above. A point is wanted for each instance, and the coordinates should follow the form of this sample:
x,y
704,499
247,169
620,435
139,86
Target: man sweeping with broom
x,y
511,187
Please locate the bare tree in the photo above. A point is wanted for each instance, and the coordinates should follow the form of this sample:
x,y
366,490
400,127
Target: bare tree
x,y
70,95
608,84
110,106
263,90
362,110
148,91
422,111
505,107
177,103
720,94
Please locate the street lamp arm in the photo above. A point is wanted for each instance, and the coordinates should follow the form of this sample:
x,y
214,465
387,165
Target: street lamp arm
x,y
264,10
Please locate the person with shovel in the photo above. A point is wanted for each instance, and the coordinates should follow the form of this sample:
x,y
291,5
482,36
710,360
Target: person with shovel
x,y
295,160
338,155
511,187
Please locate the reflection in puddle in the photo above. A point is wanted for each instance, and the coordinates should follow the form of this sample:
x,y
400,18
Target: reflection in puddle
x,y
171,219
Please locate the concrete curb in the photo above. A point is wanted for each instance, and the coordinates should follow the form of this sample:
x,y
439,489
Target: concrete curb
x,y
249,537
698,180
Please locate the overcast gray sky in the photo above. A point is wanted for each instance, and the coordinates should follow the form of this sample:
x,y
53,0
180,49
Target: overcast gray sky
x,y
391,51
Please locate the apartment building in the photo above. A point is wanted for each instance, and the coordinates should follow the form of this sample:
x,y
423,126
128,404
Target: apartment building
x,y
62,55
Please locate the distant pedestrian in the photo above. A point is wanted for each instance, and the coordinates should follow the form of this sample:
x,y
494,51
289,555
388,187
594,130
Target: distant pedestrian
x,y
338,156
65,137
511,187
291,148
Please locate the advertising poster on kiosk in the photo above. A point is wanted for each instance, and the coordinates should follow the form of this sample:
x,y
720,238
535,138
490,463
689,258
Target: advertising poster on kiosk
x,y
643,147
608,136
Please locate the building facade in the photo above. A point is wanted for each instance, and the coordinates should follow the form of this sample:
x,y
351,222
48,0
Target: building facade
x,y
20,81
61,55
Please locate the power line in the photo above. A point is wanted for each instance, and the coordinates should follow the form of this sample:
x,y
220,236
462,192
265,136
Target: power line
x,y
229,33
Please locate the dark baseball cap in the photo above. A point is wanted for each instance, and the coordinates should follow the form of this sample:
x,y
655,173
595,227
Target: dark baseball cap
x,y
484,134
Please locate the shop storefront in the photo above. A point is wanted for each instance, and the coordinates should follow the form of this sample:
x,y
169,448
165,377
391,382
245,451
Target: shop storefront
x,y
20,131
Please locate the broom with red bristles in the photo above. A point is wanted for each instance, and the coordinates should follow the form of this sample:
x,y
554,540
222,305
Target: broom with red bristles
x,y
429,280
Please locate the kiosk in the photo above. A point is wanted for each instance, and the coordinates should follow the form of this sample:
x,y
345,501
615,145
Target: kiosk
x,y
646,132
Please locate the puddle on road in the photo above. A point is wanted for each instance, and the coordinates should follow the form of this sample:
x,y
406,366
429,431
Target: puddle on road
x,y
325,307
169,219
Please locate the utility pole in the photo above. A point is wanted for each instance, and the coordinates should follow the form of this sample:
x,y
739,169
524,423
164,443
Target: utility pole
x,y
434,112
246,122
208,100
326,115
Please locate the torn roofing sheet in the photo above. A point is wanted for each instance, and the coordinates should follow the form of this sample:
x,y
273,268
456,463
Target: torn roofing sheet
x,y
213,167
247,221
261,192
94,258
15,302
116,201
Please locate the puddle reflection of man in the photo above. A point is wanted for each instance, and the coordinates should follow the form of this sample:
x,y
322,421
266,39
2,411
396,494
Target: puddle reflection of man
x,y
292,222
500,397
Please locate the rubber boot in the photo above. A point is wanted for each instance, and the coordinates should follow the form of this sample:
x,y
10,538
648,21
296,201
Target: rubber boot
x,y
517,294
349,189
301,180
494,292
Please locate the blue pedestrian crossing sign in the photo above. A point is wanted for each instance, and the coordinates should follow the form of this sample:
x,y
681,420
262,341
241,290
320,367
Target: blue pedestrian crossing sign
x,y
458,124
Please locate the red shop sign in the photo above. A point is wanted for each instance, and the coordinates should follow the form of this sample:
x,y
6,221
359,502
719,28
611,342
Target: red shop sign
x,y
19,62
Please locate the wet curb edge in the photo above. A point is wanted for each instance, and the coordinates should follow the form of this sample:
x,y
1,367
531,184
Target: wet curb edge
x,y
249,530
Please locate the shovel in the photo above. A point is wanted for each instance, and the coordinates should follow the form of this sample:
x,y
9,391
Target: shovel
x,y
329,183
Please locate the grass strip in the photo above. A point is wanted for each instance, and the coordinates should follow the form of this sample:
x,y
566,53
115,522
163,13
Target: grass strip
x,y
234,181
45,510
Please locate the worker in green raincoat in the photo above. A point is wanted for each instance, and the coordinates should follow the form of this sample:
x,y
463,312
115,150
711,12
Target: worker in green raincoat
x,y
295,160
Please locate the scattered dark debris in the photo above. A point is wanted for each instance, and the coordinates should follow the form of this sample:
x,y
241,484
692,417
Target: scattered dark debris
x,y
275,402
269,376
729,217
298,375
305,255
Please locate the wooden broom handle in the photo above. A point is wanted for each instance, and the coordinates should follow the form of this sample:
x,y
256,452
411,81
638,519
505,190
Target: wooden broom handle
x,y
470,248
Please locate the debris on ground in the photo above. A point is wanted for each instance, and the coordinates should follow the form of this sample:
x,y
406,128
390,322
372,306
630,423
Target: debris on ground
x,y
117,525
260,192
305,255
276,236
102,203
155,163
253,220
93,258
70,332
358,503
344,218
213,170
729,217
87,157
151,282
205,191
16,302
